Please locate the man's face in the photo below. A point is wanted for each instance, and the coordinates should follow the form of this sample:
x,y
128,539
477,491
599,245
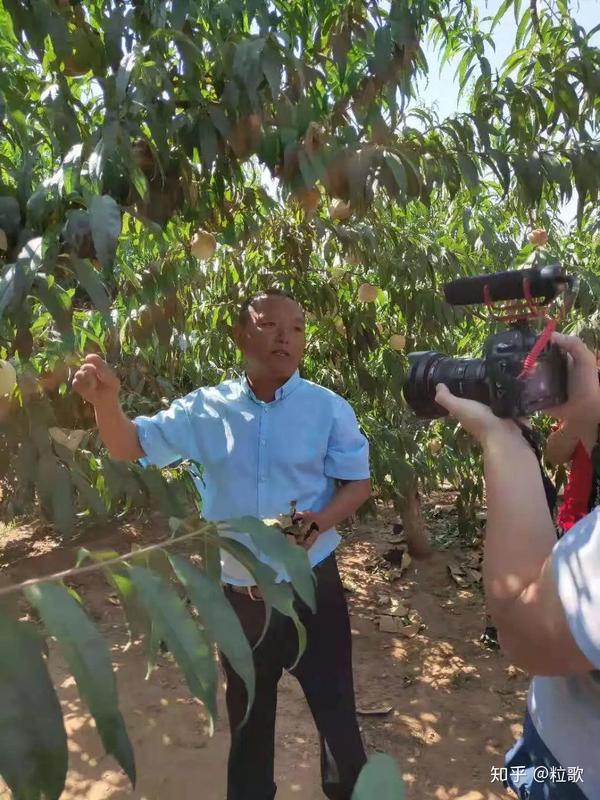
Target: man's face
x,y
272,339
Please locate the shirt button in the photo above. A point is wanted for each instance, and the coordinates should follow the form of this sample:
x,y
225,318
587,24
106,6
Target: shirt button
x,y
262,479
263,441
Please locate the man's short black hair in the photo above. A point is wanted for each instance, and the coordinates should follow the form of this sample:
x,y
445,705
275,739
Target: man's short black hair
x,y
243,315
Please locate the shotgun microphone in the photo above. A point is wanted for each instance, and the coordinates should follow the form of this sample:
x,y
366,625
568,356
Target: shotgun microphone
x,y
544,282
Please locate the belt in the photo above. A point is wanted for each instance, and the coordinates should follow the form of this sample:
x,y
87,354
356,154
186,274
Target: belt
x,y
253,592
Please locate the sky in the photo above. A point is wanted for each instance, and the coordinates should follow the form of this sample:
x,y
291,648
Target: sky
x,y
441,90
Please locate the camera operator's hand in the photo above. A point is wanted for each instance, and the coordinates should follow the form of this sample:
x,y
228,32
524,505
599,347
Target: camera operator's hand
x,y
583,404
476,418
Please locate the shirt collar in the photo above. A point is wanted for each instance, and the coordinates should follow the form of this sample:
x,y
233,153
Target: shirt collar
x,y
280,394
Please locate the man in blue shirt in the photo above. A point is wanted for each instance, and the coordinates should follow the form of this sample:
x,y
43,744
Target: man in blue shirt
x,y
265,440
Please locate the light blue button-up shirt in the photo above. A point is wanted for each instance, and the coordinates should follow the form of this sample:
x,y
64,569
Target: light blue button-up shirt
x,y
258,457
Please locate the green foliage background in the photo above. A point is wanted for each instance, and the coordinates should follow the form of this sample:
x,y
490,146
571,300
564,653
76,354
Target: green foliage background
x,y
125,128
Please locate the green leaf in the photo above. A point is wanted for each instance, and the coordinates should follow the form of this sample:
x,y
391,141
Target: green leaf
x,y
43,204
279,596
208,550
220,620
530,178
524,26
16,279
88,657
70,167
501,167
184,638
271,65
77,229
113,25
414,177
105,218
181,9
33,742
138,622
380,778
504,6
10,215
55,488
122,481
382,49
220,121
140,182
163,495
89,278
208,142
397,168
468,170
97,160
124,73
88,494
57,302
341,44
273,543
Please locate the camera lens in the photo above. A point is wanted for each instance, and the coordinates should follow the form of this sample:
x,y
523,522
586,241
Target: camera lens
x,y
465,377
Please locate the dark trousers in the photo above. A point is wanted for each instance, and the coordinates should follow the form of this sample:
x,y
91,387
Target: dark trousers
x,y
325,675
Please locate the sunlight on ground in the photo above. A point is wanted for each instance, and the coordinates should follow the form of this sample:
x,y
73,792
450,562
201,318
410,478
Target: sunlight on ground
x,y
7,530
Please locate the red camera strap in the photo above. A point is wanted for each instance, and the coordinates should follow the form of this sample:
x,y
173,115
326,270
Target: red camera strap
x,y
542,341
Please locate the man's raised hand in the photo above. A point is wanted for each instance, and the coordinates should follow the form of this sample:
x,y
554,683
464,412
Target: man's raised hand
x,y
95,381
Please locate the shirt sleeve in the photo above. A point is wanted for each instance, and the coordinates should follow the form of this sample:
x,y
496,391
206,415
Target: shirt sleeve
x,y
167,437
347,456
576,566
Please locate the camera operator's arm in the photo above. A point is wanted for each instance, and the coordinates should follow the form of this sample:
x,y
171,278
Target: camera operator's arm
x,y
521,589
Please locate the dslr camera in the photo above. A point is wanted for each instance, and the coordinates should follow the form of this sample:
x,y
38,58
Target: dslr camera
x,y
512,377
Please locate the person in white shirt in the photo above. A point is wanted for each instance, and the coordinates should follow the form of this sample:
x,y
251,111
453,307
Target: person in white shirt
x,y
544,595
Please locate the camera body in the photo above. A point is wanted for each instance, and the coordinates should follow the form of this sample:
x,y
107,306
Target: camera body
x,y
502,378
493,379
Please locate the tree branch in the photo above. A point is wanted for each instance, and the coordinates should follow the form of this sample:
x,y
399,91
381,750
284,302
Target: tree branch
x,y
208,528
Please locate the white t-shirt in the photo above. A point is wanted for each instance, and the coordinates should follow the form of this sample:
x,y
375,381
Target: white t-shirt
x,y
566,710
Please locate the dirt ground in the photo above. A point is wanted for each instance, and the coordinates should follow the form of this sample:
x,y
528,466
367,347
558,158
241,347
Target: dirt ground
x,y
448,708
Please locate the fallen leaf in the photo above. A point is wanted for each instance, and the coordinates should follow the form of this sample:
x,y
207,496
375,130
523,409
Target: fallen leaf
x,y
415,618
396,609
406,562
457,575
473,560
473,574
409,631
388,625
394,575
67,438
375,711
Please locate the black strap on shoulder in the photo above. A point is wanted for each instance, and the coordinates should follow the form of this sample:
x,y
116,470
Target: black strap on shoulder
x,y
535,440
